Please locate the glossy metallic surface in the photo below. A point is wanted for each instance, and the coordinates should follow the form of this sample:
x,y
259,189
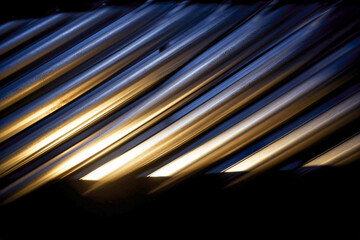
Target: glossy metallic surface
x,y
83,82
37,27
248,130
299,139
78,54
67,34
164,92
341,154
249,83
117,93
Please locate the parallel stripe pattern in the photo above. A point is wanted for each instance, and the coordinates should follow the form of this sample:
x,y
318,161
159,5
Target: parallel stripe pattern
x,y
174,90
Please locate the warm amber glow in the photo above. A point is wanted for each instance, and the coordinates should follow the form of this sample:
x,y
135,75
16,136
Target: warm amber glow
x,y
337,154
299,138
141,151
173,167
112,165
29,151
193,156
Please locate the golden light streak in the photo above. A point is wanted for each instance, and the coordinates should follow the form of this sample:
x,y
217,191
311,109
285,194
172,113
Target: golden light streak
x,y
69,127
159,144
30,151
245,131
150,149
261,156
193,156
337,154
301,137
116,163
173,167
98,143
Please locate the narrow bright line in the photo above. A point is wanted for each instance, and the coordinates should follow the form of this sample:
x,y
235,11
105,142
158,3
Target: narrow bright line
x,y
111,166
193,156
173,167
336,154
134,155
264,155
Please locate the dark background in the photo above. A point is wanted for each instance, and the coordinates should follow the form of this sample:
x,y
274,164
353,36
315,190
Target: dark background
x,y
280,202
277,202
36,8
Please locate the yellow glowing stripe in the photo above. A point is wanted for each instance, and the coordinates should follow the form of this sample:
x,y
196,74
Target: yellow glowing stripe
x,y
292,141
230,139
336,154
173,167
272,150
112,165
193,156
148,150
137,153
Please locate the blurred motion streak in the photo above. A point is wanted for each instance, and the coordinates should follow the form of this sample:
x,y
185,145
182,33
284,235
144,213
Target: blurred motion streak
x,y
172,89
342,154
78,54
114,95
299,139
253,81
248,130
60,37
38,27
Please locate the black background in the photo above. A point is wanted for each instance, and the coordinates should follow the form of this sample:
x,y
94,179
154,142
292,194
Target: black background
x,y
323,201
278,202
